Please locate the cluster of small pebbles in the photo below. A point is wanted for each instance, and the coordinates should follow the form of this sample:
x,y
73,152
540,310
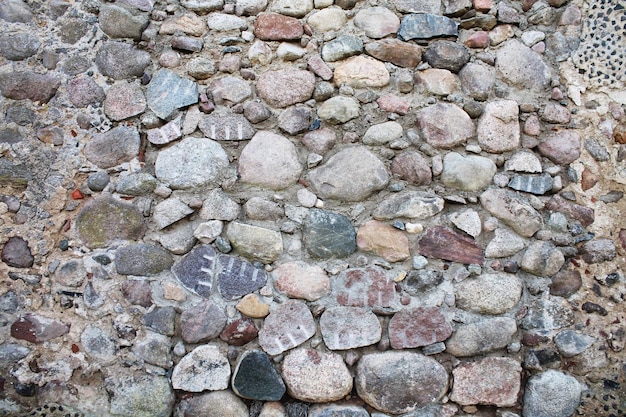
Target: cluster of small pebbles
x,y
324,208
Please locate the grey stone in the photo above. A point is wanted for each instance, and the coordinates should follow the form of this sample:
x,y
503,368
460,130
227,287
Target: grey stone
x,y
16,253
337,410
295,8
71,274
447,55
523,161
467,173
521,66
477,80
121,61
161,320
201,68
229,90
596,150
339,109
169,211
481,337
21,115
124,100
459,128
598,251
140,395
91,297
178,239
571,343
288,325
377,22
548,314
504,244
212,404
142,259
416,205
98,345
167,133
551,394
11,353
73,30
15,11
219,206
195,271
542,259
250,7
399,382
349,328
512,210
20,85
382,133
236,277
533,184
14,175
118,145
426,26
8,302
256,243
341,48
202,322
489,293
255,378
418,6
256,112
168,91
258,208
202,6
19,46
294,120
226,126
139,183
328,234
155,350
187,44
118,22
417,282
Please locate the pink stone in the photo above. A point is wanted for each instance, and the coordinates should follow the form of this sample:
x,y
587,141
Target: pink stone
x,y
363,287
276,27
137,292
555,113
532,125
403,54
287,326
319,67
483,5
349,328
458,127
584,215
384,240
301,280
492,381
320,141
283,88
562,147
478,40
412,166
444,243
418,327
393,104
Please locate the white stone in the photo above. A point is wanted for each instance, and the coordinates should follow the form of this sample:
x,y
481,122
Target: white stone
x,y
290,51
505,243
469,222
327,20
170,211
382,133
226,22
207,232
523,161
203,369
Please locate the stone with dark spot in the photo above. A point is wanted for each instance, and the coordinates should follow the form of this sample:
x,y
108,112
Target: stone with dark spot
x,y
365,287
590,308
328,234
118,145
16,253
161,320
444,243
137,292
289,325
585,215
38,329
240,332
202,322
22,85
418,327
142,259
237,277
598,251
196,270
571,343
255,378
203,369
447,55
481,337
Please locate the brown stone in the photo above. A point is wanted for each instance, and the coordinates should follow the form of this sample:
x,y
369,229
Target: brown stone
x,y
418,327
412,166
492,381
584,215
478,40
619,133
402,54
137,292
566,283
393,104
588,179
240,332
276,27
444,243
252,306
384,240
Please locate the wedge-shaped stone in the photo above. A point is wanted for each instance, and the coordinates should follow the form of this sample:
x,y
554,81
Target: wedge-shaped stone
x,y
444,243
512,210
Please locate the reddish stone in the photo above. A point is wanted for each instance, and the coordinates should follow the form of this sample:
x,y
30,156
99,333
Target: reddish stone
x,y
276,27
565,283
287,326
444,243
319,67
402,54
240,332
77,195
619,133
38,329
478,40
491,381
202,322
412,166
418,327
365,287
137,292
320,141
584,215
393,104
588,179
483,5
534,339
562,147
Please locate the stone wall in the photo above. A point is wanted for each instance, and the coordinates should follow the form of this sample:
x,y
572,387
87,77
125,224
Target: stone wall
x,y
312,208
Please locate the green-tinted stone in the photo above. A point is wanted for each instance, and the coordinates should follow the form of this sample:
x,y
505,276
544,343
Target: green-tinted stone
x,y
328,235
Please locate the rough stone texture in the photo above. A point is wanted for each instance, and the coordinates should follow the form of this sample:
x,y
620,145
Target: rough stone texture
x,y
562,148
446,135
124,100
255,242
360,72
365,287
467,173
494,381
412,166
202,322
521,66
446,55
399,382
168,91
287,326
349,328
403,54
121,61
414,205
203,369
295,87
444,243
426,26
212,404
300,280
17,253
543,259
512,210
386,241
338,110
489,293
141,396
120,144
418,327
377,22
481,337
35,328
551,393
256,379
498,128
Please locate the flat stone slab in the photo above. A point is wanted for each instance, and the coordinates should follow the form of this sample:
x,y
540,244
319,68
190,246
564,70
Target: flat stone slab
x,y
168,91
203,369
418,327
365,287
491,381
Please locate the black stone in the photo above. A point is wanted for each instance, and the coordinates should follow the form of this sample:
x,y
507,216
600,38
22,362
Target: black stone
x,y
590,307
257,379
328,234
25,390
237,277
102,259
422,280
196,270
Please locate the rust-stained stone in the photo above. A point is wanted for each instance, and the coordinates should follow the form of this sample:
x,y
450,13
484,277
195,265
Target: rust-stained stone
x,y
444,243
492,381
418,327
38,329
276,27
384,240
240,332
365,287
584,215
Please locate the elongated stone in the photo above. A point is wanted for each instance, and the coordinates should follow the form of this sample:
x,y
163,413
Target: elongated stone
x,y
365,287
418,327
444,243
481,337
226,126
532,184
426,26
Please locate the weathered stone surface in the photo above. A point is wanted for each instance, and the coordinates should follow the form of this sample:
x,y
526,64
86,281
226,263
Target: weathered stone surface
x,y
137,292
382,133
331,18
168,91
295,119
477,80
498,128
548,314
192,162
203,369
289,325
489,293
426,26
15,11
189,24
320,141
105,219
565,283
222,22
298,279
169,211
284,88
229,90
255,242
212,404
202,322
11,353
98,345
16,253
121,61
504,244
349,328
339,109
35,328
562,147
319,67
296,8
21,85
19,46
598,251
155,350
142,259
467,173
386,241
203,6
269,160
219,206
418,6
118,145
377,22
196,270
481,337
403,54
399,382
140,395
352,174
551,393
512,210
328,234
124,100
412,166
239,332
444,243
585,215
361,71
365,287
276,27
304,368
117,22
341,48
337,410
533,184
255,378
448,135
161,320
237,277
492,381
468,221
446,55
571,343
543,259
440,82
521,66
418,327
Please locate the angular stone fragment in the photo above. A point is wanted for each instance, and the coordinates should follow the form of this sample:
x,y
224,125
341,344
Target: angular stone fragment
x,y
276,27
521,66
168,91
269,160
118,145
361,72
548,314
403,54
255,242
467,173
457,130
505,243
491,381
240,332
481,337
418,327
377,22
121,61
169,211
189,24
287,326
571,343
98,345
11,353
284,88
533,184
28,85
319,67
399,382
124,100
16,253
498,128
562,147
426,26
551,393
542,259
365,287
161,320
219,206
585,215
155,350
598,251
489,293
384,240
303,369
341,48
203,369
349,328
444,243
300,280
105,219
202,322
196,270
255,378
226,126
439,82
352,174
339,109
446,55
237,277
167,133
137,292
38,329
512,210
328,234
142,259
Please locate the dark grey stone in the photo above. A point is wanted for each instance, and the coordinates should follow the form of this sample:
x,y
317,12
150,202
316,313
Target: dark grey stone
x,y
611,197
91,298
570,343
161,320
72,30
14,175
75,65
117,22
196,270
426,26
532,183
10,136
19,46
255,378
341,48
8,302
598,251
328,234
139,183
98,181
16,253
187,43
118,145
142,259
422,280
83,91
21,115
338,410
121,61
237,277
226,126
596,150
447,55
168,91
